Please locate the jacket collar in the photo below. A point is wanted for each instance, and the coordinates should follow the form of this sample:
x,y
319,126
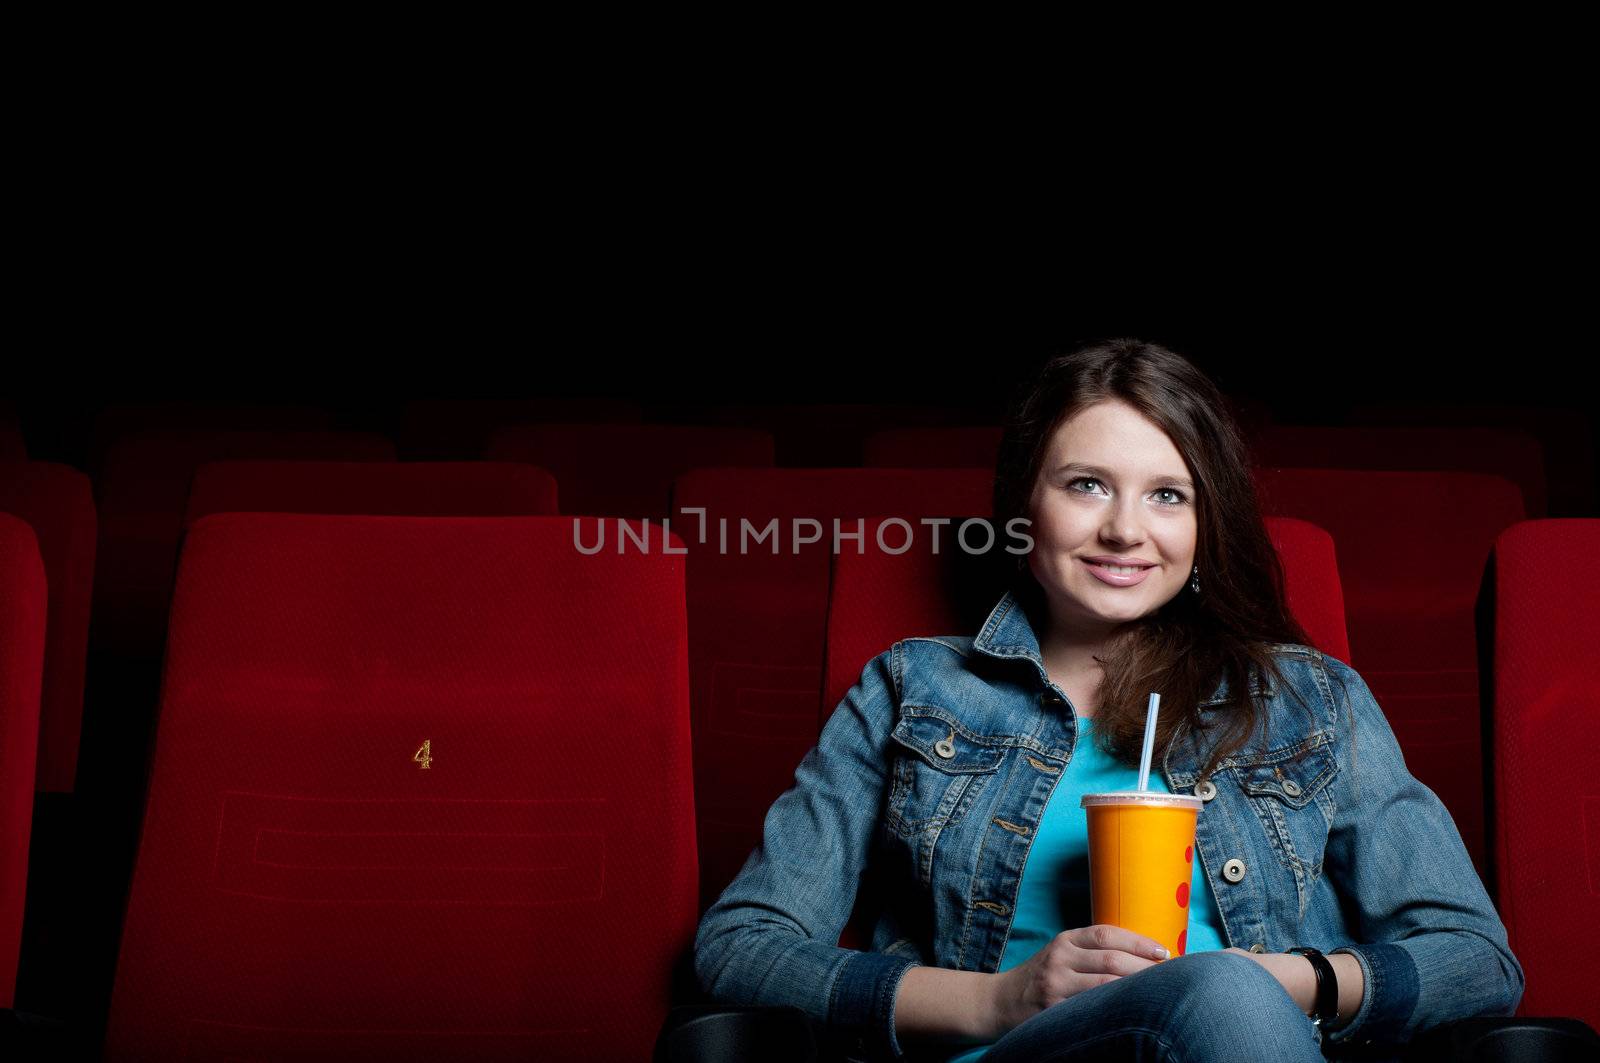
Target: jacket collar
x,y
1008,634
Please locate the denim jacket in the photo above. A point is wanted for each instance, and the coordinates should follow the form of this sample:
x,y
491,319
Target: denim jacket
x,y
1303,843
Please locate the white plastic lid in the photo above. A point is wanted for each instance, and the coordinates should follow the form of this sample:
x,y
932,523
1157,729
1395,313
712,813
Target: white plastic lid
x,y
1142,797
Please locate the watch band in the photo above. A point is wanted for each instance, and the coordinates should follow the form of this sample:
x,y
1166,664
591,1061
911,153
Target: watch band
x,y
1327,985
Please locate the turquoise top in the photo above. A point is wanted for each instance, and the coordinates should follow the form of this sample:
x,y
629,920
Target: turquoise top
x,y
1054,893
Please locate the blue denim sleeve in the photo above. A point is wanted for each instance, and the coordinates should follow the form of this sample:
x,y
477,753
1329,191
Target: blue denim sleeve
x,y
1434,947
771,938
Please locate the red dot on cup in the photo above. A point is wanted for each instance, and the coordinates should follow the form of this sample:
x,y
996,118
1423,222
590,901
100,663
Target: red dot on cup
x,y
1183,895
1188,854
1183,942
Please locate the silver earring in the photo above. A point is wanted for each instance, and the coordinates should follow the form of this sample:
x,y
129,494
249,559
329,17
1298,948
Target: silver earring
x,y
1194,584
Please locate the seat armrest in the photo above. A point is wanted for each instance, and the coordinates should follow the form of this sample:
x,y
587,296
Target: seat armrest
x,y
1506,1039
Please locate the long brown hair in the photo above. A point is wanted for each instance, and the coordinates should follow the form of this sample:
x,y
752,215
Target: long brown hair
x,y
1185,647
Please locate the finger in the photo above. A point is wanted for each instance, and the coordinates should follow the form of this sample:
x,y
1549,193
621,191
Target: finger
x,y
1108,936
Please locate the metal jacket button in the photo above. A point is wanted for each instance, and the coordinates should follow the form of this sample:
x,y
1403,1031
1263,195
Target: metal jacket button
x,y
945,747
1206,790
1258,947
1291,788
1233,870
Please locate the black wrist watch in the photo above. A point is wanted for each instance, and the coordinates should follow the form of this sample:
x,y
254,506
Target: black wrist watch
x,y
1327,985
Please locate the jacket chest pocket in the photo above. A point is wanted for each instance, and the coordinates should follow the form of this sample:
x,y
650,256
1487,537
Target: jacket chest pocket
x,y
939,769
1289,790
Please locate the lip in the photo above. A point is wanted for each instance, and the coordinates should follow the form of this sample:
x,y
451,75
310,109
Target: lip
x,y
1114,579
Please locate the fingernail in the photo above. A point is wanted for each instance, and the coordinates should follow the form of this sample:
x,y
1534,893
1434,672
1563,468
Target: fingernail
x,y
1160,953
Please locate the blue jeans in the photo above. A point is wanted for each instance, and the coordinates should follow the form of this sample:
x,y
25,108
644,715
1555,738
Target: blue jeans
x,y
1206,1007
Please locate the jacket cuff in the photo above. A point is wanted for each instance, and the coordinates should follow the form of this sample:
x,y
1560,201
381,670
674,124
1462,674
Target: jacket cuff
x,y
861,1003
1388,997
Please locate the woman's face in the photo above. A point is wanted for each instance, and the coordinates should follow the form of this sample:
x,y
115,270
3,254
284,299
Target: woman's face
x,y
1111,485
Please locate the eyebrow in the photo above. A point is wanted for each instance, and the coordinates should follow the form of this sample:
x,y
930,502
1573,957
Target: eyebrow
x,y
1095,470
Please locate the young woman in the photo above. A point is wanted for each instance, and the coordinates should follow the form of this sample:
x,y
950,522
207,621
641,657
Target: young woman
x,y
952,772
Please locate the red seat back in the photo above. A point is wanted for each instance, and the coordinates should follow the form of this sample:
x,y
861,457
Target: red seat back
x,y
1546,757
372,488
58,503
23,605
758,620
1516,456
142,493
626,470
421,789
1412,552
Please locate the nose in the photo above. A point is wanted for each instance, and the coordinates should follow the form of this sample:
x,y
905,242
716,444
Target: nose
x,y
1124,522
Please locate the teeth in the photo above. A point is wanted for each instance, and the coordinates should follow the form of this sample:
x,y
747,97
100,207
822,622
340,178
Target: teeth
x,y
1121,570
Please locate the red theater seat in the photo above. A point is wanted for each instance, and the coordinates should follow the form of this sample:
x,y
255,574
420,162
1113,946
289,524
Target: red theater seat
x,y
1516,456
1546,757
58,503
142,494
372,488
23,604
1412,551
421,791
626,470
118,420
1565,432
758,620
933,448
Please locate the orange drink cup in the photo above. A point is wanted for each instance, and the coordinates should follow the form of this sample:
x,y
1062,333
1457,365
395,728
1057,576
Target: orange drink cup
x,y
1141,856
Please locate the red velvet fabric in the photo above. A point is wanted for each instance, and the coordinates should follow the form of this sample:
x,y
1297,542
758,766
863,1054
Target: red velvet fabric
x,y
307,888
23,606
933,448
142,493
58,503
1413,547
372,488
1546,757
626,470
758,620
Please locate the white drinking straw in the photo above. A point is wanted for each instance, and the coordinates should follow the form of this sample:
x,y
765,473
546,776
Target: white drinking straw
x,y
1149,740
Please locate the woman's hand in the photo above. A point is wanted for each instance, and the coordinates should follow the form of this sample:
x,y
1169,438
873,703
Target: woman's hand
x,y
1293,971
1073,961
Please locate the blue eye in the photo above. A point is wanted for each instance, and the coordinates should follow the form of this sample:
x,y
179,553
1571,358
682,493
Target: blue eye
x,y
1179,498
